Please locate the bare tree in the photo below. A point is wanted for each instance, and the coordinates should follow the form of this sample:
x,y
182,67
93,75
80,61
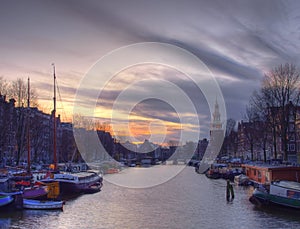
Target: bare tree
x,y
18,90
268,124
251,128
230,126
230,140
280,87
3,86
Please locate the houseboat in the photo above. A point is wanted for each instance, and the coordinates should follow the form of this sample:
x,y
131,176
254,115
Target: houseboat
x,y
282,193
75,183
265,173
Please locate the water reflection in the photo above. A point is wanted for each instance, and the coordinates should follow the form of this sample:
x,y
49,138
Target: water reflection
x,y
189,200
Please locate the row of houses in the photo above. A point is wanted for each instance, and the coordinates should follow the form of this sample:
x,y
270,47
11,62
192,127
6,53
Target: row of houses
x,y
267,140
255,140
24,129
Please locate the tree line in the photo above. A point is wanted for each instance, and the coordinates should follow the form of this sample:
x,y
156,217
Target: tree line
x,y
18,90
271,109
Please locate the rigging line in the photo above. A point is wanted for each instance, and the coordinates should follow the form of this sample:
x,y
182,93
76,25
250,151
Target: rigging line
x,y
61,103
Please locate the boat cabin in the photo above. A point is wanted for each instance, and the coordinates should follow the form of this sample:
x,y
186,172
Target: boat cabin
x,y
265,174
288,189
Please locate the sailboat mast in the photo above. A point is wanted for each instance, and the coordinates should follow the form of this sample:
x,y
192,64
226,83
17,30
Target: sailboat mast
x,y
54,119
28,127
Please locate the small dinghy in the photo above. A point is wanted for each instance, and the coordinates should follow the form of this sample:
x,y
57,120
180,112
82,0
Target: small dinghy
x,y
42,204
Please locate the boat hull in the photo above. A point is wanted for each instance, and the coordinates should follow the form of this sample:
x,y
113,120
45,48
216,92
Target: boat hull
x,y
73,184
213,175
69,188
12,201
35,193
42,205
262,198
5,200
93,188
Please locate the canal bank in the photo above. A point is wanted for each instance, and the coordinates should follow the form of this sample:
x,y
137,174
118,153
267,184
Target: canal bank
x,y
189,200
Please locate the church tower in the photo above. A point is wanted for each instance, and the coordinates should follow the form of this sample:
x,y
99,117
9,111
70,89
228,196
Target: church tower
x,y
216,122
216,132
215,142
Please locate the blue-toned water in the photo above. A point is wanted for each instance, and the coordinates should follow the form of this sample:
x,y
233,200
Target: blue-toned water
x,y
189,200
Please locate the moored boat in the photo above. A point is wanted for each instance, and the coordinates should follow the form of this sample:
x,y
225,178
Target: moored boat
x,y
215,171
5,200
282,193
71,182
242,180
213,174
11,200
75,183
42,205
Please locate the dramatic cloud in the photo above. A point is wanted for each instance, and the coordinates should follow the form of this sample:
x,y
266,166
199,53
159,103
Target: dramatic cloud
x,y
237,40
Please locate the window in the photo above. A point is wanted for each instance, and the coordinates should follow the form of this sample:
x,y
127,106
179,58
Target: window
x,y
292,158
291,147
259,176
291,137
267,176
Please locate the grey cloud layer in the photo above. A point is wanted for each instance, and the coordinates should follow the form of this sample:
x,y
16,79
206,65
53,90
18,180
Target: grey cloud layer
x,y
237,40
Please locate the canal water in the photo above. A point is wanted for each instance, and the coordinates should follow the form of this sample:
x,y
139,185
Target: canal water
x,y
189,200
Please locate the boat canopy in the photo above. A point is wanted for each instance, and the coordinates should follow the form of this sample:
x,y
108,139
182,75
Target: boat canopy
x,y
287,184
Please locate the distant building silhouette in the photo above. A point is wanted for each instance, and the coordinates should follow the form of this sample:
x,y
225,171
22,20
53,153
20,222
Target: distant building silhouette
x,y
216,131
216,136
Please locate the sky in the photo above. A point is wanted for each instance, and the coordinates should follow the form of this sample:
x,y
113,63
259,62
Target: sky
x,y
238,42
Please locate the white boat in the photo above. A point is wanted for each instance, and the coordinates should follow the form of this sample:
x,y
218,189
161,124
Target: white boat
x,y
283,193
42,204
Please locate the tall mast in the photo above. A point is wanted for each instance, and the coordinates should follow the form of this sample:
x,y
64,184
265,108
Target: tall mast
x,y
54,120
28,126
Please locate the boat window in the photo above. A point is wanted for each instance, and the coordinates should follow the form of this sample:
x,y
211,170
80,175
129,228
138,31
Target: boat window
x,y
293,194
259,174
267,176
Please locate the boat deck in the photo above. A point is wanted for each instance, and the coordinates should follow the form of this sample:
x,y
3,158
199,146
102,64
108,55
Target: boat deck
x,y
288,184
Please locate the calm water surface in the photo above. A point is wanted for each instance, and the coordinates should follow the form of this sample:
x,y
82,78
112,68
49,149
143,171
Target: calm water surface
x,y
189,200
